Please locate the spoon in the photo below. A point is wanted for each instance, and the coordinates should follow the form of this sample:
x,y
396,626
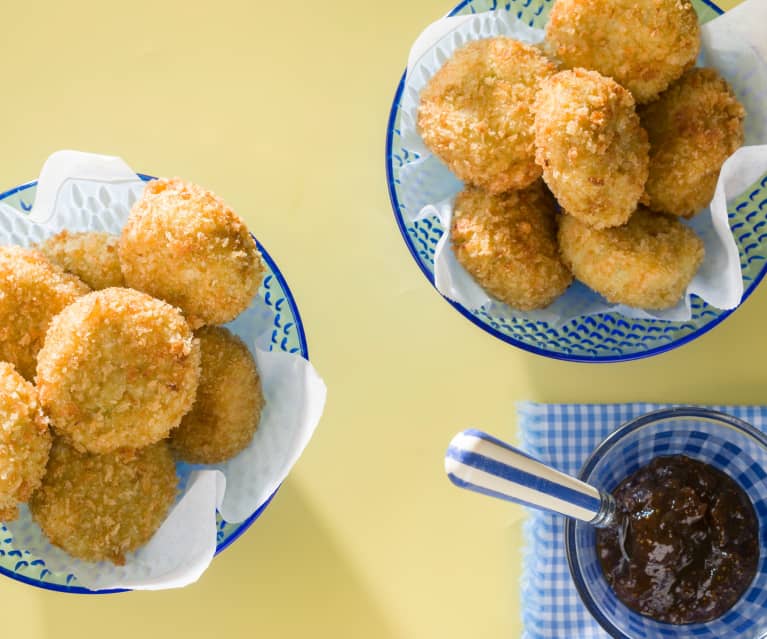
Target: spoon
x,y
480,462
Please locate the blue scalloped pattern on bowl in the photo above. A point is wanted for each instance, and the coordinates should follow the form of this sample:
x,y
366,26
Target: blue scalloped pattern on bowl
x,y
287,335
607,337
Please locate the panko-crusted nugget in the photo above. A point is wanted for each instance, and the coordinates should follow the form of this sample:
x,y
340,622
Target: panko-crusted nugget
x,y
100,507
119,369
693,128
32,291
24,441
91,256
647,263
184,245
476,113
643,45
593,151
508,243
229,400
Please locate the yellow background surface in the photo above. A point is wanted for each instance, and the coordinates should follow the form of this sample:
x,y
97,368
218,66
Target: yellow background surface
x,y
281,108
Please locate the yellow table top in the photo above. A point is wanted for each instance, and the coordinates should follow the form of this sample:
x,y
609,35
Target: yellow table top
x,y
282,111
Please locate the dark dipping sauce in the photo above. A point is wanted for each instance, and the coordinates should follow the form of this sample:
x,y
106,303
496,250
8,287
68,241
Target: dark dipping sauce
x,y
687,546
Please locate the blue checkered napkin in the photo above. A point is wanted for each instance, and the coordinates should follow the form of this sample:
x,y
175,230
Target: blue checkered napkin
x,y
564,435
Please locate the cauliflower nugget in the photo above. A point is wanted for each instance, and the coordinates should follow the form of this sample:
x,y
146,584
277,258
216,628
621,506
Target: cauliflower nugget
x,y
229,400
647,263
643,45
100,507
184,245
32,291
476,113
508,243
118,369
91,256
24,441
693,128
593,151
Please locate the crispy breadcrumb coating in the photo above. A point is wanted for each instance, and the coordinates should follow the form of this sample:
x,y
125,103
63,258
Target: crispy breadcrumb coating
x,y
229,401
118,369
100,507
24,441
184,245
647,263
91,256
693,128
508,243
592,149
643,45
476,113
32,291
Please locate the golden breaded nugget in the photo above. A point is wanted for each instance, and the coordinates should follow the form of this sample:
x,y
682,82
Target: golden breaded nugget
x,y
100,507
508,243
184,245
24,441
643,45
32,291
229,400
476,113
91,256
592,149
693,128
118,369
647,263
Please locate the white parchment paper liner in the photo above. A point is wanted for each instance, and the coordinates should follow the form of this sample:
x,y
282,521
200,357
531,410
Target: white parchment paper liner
x,y
733,43
81,191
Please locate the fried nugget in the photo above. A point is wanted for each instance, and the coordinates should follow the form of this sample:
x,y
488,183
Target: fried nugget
x,y
593,151
476,113
119,369
91,256
508,243
24,441
184,245
643,45
100,507
229,401
32,291
647,263
693,128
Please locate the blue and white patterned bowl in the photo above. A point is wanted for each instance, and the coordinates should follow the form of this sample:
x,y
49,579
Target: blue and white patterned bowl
x,y
287,335
727,443
607,337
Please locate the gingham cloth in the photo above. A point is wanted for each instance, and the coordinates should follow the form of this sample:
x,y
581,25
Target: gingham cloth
x,y
564,435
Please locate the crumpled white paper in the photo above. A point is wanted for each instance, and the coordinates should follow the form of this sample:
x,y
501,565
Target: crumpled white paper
x,y
734,43
81,191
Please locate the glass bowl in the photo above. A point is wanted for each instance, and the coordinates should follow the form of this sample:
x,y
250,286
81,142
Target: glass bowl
x,y
728,444
606,337
287,335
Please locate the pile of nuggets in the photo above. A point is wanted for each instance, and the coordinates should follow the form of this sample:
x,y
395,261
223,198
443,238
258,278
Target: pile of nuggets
x,y
113,367
626,134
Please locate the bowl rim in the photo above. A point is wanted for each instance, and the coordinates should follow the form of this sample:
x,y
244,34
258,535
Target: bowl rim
x,y
663,414
543,352
241,526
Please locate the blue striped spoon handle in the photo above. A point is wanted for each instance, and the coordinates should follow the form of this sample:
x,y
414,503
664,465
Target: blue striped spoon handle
x,y
479,462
